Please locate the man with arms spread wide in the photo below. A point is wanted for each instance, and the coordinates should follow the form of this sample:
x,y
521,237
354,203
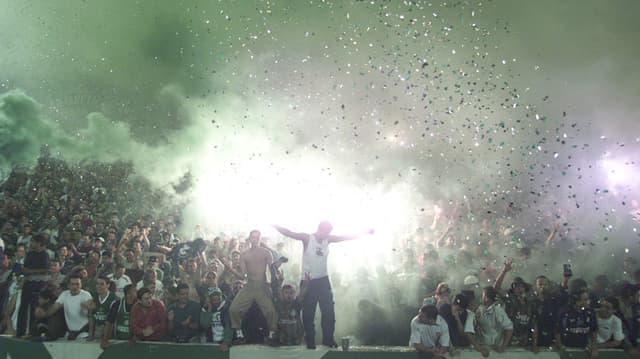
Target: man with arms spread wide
x,y
314,263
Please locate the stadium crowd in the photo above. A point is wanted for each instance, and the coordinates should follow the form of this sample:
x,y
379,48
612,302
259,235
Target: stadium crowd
x,y
89,251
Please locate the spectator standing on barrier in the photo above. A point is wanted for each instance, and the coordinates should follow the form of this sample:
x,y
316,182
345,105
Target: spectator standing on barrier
x,y
148,317
118,322
215,319
36,271
494,326
429,333
314,263
76,303
254,263
577,325
184,317
101,305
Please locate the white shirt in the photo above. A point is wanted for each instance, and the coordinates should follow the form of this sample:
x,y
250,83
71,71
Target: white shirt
x,y
610,328
120,283
314,258
469,324
492,322
75,316
429,335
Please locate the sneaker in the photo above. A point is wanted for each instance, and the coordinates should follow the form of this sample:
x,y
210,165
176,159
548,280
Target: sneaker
x,y
311,345
239,341
330,343
273,341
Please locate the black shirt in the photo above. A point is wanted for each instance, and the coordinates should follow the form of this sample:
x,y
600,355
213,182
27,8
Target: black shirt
x,y
545,315
575,326
37,260
457,339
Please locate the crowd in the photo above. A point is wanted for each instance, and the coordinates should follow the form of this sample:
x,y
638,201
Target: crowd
x,y
79,261
91,252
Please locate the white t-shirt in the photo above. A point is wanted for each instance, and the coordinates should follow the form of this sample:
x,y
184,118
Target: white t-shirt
x,y
120,284
429,335
609,328
75,316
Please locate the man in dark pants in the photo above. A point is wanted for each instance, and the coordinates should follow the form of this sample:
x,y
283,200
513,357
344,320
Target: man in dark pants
x,y
36,271
314,265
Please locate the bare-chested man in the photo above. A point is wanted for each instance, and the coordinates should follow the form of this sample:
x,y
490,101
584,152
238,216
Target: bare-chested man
x,y
254,263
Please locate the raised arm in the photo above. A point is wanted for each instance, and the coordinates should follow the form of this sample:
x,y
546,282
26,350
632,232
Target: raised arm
x,y
508,265
334,239
552,234
41,313
295,235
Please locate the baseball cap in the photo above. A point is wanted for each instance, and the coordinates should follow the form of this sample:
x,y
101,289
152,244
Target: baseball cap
x,y
214,291
471,280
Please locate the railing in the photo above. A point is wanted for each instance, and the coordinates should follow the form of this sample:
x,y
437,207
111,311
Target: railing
x,y
61,349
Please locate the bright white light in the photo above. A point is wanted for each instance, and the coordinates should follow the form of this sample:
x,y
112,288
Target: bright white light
x,y
618,172
298,194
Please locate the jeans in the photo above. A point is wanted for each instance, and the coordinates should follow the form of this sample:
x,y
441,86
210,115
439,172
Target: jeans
x,y
28,304
319,292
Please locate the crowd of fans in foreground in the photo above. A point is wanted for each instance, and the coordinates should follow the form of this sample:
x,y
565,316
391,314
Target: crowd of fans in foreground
x,y
77,262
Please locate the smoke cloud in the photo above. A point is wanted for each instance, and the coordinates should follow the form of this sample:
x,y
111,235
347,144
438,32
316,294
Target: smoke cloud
x,y
380,114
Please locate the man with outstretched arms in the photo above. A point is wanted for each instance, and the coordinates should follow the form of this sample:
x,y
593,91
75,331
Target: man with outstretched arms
x,y
314,264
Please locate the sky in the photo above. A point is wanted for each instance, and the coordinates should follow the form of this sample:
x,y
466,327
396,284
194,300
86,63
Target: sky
x,y
372,114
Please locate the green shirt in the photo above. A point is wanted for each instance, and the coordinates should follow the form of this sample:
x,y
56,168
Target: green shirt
x,y
102,308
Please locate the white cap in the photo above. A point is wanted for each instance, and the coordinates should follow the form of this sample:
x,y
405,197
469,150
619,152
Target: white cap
x,y
471,280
